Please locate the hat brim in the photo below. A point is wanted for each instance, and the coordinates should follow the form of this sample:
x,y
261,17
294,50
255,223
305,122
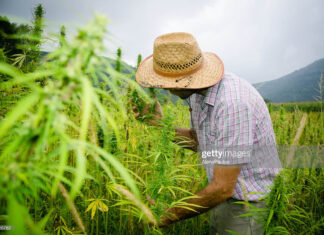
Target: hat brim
x,y
209,73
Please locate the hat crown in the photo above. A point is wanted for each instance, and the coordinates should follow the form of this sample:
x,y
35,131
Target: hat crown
x,y
176,53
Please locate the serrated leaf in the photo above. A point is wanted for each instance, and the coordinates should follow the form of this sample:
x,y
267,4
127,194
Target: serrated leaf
x,y
93,210
102,206
92,204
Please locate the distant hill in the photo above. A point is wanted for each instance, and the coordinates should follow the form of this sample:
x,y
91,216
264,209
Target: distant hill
x,y
126,68
301,85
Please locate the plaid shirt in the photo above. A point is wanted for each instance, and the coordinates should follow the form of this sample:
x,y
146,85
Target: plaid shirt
x,y
233,116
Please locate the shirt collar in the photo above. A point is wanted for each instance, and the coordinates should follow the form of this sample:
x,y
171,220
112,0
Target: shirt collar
x,y
211,94
210,97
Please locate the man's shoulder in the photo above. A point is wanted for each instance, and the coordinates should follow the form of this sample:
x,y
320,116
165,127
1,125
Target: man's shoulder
x,y
229,88
235,89
232,80
237,95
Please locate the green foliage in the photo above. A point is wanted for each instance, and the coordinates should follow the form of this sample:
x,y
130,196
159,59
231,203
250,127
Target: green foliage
x,y
38,18
292,107
277,204
12,43
53,122
118,60
139,60
139,101
62,35
295,204
22,43
3,57
70,122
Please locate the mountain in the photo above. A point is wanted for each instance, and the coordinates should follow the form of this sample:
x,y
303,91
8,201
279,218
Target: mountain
x,y
298,86
125,68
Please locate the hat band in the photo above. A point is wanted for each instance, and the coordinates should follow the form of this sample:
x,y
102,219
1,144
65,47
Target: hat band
x,y
178,66
180,74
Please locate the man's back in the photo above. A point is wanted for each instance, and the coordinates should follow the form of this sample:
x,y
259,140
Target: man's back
x,y
232,118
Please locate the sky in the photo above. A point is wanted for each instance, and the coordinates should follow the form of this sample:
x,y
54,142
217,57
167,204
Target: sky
x,y
259,40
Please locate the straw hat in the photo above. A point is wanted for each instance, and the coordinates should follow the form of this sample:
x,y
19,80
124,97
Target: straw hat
x,y
177,62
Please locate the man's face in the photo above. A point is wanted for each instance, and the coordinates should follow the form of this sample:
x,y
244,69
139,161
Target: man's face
x,y
182,93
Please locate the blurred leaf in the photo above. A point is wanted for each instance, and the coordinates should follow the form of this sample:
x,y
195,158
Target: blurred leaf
x,y
17,112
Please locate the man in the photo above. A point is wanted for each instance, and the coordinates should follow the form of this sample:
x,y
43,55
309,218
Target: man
x,y
230,128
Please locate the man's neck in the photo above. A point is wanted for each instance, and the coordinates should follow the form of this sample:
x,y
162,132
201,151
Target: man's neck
x,y
203,92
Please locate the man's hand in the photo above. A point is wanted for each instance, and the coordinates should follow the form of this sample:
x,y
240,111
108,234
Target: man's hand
x,y
164,220
168,218
221,188
186,138
155,117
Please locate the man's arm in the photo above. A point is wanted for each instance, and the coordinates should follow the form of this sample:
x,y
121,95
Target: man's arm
x,y
220,189
186,138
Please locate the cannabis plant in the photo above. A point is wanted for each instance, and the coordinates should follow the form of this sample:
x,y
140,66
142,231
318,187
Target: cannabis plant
x,y
48,138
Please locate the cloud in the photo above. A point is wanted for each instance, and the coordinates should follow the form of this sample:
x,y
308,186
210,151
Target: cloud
x,y
257,40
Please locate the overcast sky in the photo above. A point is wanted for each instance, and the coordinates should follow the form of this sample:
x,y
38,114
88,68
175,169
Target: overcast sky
x,y
258,40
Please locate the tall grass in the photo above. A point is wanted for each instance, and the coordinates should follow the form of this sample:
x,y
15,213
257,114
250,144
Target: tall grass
x,y
296,202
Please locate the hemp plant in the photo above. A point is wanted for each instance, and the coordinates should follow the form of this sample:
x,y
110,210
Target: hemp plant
x,y
140,101
48,137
